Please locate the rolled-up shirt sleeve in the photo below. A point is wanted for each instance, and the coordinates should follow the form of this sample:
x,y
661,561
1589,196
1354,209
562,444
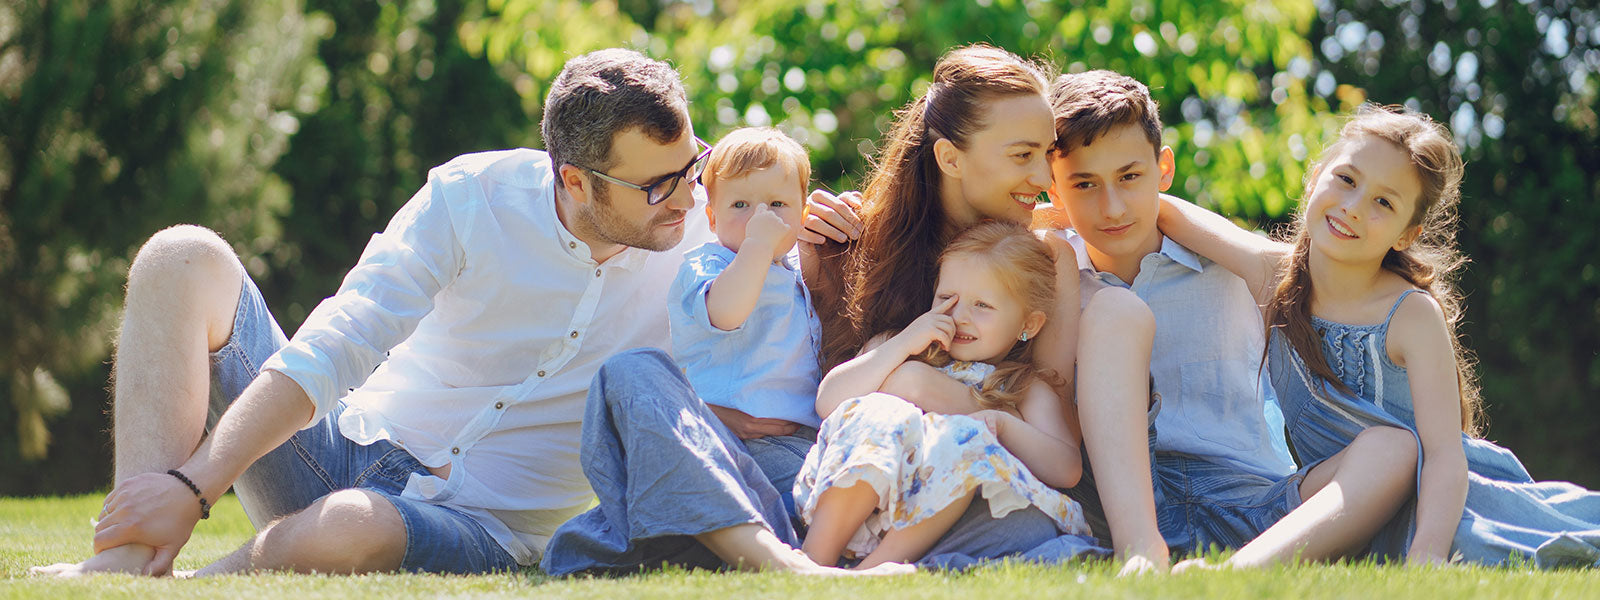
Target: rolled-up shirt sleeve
x,y
379,304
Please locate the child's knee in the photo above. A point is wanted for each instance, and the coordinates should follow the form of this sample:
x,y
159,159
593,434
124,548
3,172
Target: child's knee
x,y
1394,442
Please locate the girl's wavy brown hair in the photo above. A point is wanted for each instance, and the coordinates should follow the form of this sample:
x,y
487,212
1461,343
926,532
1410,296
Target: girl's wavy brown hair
x,y
1431,263
882,281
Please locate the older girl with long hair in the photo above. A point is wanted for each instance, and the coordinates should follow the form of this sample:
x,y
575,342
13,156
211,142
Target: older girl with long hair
x,y
1363,312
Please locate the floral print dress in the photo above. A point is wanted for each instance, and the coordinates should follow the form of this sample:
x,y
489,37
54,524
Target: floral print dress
x,y
919,463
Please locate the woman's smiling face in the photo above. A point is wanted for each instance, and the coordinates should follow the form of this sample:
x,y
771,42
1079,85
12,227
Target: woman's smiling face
x,y
1003,169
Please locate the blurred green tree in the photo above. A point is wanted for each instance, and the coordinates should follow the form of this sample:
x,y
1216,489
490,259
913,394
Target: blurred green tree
x,y
121,118
398,95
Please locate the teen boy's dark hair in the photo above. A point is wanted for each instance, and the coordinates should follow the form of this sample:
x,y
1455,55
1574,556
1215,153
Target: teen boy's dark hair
x,y
1087,105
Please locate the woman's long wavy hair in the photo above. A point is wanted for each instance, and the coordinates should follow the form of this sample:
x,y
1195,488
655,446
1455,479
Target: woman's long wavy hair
x,y
1026,267
1431,263
882,281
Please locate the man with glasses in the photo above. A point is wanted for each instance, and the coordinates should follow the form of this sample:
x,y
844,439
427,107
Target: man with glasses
x,y
426,417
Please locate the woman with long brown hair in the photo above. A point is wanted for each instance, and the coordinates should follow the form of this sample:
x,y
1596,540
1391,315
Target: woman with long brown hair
x,y
973,148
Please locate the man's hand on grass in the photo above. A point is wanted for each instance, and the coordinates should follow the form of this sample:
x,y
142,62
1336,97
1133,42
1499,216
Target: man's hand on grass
x,y
154,509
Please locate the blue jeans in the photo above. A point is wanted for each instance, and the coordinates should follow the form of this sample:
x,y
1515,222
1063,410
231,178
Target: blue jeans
x,y
319,460
780,458
665,469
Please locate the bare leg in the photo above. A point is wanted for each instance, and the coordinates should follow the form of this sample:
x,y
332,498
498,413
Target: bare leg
x,y
752,547
183,291
839,514
1117,333
1348,497
908,544
348,531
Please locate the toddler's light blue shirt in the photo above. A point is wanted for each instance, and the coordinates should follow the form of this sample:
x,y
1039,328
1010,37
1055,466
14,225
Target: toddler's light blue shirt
x,y
767,367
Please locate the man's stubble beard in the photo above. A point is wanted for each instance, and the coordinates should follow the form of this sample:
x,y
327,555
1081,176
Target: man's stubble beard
x,y
601,219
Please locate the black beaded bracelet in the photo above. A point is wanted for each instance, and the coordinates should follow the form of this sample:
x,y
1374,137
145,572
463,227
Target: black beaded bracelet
x,y
205,507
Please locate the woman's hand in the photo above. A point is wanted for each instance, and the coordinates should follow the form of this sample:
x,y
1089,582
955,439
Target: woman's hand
x,y
830,217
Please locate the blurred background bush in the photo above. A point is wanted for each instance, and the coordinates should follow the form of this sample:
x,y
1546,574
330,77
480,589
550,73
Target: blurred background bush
x,y
297,128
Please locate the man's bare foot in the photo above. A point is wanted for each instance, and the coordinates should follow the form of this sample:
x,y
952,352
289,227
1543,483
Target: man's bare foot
x,y
1197,564
1141,565
131,558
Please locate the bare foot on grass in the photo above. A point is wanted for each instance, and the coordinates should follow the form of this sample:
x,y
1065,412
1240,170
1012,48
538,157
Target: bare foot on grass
x,y
1138,565
131,558
1197,564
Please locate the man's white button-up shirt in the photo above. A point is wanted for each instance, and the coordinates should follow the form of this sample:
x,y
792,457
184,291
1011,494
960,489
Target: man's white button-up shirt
x,y
494,319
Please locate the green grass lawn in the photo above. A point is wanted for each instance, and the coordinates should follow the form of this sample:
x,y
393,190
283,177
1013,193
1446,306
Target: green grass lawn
x,y
39,531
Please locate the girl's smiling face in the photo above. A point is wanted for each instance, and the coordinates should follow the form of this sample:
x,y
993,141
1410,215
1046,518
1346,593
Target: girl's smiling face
x,y
989,317
1363,202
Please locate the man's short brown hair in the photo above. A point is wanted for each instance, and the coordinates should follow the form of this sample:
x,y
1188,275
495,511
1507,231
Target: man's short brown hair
x,y
603,93
1088,105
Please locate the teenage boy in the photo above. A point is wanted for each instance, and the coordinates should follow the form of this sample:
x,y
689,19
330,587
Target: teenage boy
x,y
1209,433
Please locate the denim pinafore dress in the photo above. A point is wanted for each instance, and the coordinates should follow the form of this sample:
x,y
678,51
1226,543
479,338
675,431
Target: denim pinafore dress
x,y
1508,515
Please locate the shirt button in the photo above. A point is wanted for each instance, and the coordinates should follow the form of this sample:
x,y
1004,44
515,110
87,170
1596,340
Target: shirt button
x,y
597,272
541,373
573,335
499,405
455,451
573,245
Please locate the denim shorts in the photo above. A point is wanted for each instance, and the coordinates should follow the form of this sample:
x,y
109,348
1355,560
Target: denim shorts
x,y
1200,503
320,460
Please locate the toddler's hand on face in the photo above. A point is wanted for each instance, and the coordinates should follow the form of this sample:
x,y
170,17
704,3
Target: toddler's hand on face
x,y
767,230
933,327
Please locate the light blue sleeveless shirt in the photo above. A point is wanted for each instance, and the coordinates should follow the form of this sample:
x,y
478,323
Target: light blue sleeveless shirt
x,y
1206,363
1507,513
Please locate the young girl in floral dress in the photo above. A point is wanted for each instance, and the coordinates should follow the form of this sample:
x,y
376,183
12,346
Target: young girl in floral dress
x,y
885,480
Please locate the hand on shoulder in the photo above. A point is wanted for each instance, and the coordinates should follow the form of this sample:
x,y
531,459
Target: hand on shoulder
x,y
831,217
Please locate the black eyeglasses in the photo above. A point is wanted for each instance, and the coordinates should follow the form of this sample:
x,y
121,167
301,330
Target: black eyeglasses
x,y
662,189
